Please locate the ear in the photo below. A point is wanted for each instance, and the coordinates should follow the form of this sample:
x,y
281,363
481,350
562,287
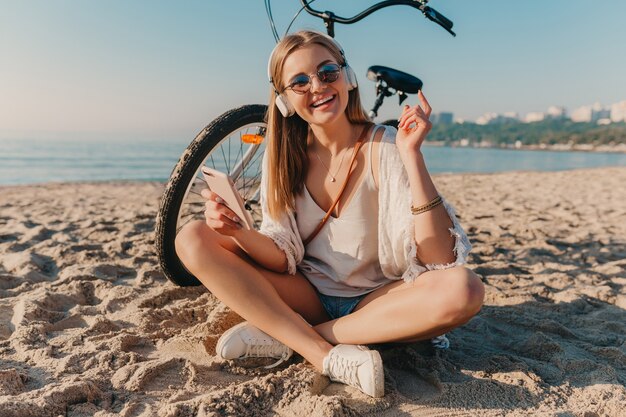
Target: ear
x,y
283,104
350,78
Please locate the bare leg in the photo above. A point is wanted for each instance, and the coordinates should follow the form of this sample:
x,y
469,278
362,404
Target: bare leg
x,y
436,302
253,292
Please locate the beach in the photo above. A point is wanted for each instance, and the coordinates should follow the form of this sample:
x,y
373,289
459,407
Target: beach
x,y
89,326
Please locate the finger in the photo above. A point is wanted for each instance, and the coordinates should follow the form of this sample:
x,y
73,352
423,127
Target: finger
x,y
421,117
408,110
215,197
222,227
206,193
408,121
427,108
217,210
421,113
417,118
414,111
213,205
231,221
405,109
422,123
401,121
210,195
222,219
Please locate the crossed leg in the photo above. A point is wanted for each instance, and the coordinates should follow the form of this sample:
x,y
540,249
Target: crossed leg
x,y
436,302
273,302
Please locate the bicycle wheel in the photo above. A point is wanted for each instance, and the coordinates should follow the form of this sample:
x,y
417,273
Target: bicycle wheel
x,y
234,144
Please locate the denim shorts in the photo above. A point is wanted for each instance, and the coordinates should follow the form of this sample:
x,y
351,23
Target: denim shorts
x,y
339,306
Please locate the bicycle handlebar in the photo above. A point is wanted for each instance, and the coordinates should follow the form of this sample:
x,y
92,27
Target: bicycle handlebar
x,y
330,18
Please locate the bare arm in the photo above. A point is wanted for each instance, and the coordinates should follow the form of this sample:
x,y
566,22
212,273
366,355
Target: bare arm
x,y
433,239
259,247
262,249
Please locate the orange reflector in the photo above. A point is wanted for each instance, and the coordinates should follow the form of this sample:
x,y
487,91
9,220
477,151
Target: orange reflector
x,y
253,139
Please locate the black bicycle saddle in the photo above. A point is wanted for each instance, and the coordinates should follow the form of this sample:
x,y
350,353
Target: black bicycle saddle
x,y
395,79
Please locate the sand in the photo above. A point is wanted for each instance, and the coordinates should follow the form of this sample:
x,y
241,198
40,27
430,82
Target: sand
x,y
89,325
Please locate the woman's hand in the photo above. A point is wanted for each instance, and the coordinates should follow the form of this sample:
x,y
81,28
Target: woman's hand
x,y
413,126
218,216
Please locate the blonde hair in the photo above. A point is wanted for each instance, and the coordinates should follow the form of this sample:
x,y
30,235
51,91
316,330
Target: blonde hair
x,y
287,136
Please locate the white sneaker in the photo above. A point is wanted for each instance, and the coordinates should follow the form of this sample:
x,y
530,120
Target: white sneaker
x,y
246,341
358,367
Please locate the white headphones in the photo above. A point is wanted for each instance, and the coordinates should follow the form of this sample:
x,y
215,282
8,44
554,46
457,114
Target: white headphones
x,y
283,104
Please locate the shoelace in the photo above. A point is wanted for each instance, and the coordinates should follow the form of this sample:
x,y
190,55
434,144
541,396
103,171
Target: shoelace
x,y
257,349
344,370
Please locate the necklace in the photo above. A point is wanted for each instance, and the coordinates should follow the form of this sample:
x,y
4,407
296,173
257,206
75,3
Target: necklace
x,y
333,178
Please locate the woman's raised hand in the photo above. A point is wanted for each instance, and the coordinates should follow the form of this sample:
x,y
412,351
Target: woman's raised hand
x,y
414,125
218,216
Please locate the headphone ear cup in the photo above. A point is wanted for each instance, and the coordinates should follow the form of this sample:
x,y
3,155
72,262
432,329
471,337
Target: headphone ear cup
x,y
350,78
285,107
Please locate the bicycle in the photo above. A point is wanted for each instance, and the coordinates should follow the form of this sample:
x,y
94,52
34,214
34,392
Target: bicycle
x,y
243,129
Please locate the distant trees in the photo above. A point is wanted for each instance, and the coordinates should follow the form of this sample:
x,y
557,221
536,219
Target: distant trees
x,y
549,132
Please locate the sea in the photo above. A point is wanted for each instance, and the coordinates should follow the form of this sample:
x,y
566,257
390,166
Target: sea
x,y
42,161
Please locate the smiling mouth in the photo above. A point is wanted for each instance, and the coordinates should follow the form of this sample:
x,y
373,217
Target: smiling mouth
x,y
323,101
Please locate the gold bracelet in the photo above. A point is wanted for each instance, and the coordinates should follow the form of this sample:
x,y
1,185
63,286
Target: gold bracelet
x,y
426,207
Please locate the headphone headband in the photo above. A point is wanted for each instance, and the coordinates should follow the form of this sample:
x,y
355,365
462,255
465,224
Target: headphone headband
x,y
283,103
269,61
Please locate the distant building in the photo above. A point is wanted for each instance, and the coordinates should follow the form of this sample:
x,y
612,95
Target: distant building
x,y
556,112
591,113
618,112
604,114
486,118
599,112
495,118
582,114
444,118
534,117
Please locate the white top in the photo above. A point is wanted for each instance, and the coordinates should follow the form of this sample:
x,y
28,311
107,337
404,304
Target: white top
x,y
342,259
396,229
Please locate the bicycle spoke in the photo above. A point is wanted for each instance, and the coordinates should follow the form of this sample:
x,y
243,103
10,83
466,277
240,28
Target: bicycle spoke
x,y
190,216
256,178
225,161
240,153
229,141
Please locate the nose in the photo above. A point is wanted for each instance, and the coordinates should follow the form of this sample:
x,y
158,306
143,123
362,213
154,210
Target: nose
x,y
316,84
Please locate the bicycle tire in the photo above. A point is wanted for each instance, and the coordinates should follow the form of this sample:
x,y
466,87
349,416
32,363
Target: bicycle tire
x,y
185,179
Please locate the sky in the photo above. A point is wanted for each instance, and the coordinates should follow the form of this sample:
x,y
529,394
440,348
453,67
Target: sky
x,y
157,69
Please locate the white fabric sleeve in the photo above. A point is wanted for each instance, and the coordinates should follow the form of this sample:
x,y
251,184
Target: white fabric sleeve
x,y
397,244
283,231
462,245
396,240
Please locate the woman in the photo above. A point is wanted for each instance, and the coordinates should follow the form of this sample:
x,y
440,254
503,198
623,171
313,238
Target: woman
x,y
385,267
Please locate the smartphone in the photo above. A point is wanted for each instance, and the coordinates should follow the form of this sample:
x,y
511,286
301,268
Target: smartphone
x,y
222,185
